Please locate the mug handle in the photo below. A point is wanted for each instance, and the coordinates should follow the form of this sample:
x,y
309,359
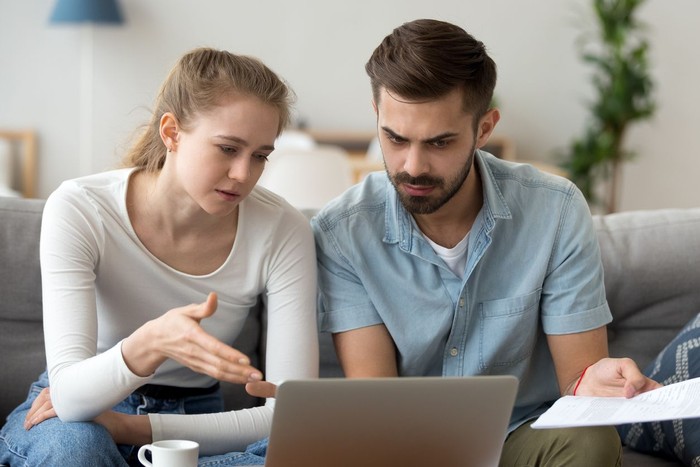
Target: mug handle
x,y
142,455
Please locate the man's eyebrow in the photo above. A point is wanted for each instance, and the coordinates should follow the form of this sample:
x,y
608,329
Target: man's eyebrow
x,y
432,139
392,133
440,137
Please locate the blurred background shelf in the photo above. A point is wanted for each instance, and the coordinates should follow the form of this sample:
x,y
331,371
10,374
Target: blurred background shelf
x,y
18,162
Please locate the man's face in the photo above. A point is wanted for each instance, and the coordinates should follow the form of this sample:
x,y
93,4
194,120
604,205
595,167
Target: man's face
x,y
428,148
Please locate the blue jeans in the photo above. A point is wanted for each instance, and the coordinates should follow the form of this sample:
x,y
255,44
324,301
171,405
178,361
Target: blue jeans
x,y
54,442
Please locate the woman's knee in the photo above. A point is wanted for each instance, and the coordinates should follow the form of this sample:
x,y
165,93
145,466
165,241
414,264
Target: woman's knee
x,y
53,442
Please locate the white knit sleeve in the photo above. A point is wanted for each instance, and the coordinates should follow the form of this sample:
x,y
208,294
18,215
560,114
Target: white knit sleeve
x,y
291,352
69,251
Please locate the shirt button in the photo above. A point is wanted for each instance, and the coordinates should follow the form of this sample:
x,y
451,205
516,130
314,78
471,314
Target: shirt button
x,y
461,302
454,352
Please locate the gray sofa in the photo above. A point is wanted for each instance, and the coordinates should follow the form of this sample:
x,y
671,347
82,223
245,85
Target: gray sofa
x,y
652,276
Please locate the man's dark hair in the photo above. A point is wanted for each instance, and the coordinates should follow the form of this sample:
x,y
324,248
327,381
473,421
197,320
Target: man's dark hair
x,y
426,59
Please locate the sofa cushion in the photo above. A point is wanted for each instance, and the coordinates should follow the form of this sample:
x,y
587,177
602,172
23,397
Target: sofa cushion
x,y
652,284
21,332
674,439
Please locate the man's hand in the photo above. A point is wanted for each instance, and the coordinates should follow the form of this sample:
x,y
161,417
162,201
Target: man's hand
x,y
614,377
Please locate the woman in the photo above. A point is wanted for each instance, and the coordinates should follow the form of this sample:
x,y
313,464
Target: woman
x,y
148,271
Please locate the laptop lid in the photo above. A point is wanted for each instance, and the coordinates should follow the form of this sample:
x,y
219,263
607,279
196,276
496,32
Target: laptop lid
x,y
427,421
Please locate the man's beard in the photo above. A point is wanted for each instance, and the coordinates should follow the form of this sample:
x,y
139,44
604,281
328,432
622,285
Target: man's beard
x,y
431,203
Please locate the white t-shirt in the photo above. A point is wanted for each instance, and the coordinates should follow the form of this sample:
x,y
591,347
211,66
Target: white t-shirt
x,y
455,257
100,283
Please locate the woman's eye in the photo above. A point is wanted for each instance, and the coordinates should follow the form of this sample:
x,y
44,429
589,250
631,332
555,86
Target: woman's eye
x,y
228,149
262,157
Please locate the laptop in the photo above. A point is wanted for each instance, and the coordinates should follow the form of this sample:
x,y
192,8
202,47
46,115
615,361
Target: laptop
x,y
406,422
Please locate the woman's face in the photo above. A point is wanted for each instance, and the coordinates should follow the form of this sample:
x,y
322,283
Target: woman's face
x,y
222,154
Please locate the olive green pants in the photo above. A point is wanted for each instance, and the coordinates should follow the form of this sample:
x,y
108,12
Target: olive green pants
x,y
570,447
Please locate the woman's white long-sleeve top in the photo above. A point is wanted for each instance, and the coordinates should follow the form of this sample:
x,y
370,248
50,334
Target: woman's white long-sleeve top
x,y
100,283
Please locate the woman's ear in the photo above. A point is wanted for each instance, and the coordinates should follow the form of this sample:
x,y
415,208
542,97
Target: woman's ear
x,y
486,126
169,131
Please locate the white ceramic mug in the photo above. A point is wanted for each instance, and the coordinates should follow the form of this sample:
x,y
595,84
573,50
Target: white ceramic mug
x,y
170,453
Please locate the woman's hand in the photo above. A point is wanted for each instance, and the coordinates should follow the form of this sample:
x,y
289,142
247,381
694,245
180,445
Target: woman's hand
x,y
123,428
614,377
126,429
178,335
41,409
263,389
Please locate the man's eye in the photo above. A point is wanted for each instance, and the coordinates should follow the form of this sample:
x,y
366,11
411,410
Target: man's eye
x,y
395,139
441,143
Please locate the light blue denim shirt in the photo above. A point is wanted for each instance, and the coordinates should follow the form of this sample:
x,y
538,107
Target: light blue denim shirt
x,y
533,268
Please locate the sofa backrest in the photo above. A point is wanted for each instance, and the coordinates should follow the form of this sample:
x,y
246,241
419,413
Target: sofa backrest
x,y
651,261
21,334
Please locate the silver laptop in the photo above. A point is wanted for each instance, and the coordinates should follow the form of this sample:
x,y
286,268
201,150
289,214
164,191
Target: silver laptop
x,y
406,422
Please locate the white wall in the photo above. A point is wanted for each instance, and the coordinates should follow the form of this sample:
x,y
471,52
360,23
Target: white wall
x,y
321,46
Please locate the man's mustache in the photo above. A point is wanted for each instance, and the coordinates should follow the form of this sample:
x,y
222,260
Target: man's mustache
x,y
421,180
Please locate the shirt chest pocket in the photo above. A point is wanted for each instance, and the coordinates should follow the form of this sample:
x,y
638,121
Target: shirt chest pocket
x,y
508,330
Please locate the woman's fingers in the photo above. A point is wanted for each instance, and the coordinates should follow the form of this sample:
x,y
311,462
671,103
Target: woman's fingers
x,y
261,389
206,354
201,351
178,335
41,409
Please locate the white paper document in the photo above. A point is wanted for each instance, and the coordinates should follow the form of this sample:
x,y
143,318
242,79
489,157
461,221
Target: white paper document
x,y
679,400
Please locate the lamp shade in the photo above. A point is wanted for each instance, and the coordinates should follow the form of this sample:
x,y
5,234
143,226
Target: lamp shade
x,y
86,11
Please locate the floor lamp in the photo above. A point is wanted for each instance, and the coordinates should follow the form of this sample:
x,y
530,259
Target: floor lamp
x,y
86,13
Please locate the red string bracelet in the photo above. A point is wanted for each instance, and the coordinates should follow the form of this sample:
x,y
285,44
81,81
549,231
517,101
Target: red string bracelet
x,y
580,378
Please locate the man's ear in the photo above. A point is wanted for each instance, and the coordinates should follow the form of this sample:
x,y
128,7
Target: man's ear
x,y
486,126
374,106
169,131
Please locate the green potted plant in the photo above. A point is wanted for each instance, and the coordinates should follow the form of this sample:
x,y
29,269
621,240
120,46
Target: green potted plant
x,y
623,96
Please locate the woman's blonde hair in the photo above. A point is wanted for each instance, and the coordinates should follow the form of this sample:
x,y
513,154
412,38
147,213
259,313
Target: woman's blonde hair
x,y
197,83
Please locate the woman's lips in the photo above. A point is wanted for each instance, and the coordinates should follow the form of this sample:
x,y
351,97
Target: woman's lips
x,y
228,195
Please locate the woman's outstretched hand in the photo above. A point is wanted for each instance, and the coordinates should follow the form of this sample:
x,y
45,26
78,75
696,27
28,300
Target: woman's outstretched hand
x,y
178,335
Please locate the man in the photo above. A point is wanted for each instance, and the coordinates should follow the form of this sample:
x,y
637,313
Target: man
x,y
457,263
